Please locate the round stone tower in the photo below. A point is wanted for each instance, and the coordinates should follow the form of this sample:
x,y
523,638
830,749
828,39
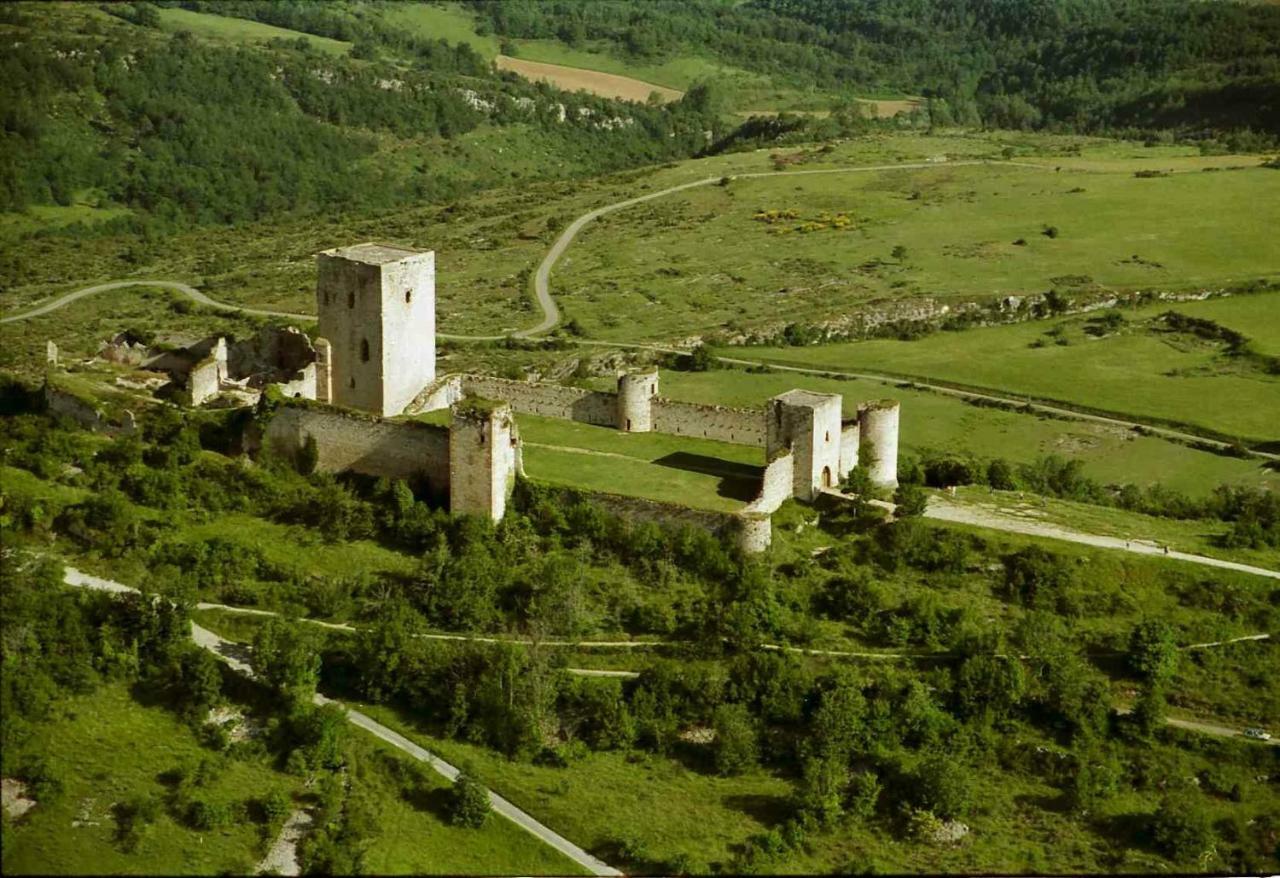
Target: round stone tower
x,y
636,392
878,439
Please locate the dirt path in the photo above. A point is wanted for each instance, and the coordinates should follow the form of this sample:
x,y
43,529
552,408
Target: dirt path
x,y
184,289
942,510
236,655
1205,728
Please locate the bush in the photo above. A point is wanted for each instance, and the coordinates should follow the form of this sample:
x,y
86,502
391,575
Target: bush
x,y
468,802
942,786
1181,829
736,746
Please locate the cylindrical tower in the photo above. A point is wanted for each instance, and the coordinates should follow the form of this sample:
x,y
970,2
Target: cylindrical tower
x,y
636,391
878,440
755,532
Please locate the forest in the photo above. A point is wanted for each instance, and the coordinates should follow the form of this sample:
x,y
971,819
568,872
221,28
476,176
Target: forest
x,y
186,132
1090,66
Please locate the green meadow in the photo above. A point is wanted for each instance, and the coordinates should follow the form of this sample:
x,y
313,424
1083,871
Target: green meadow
x,y
241,30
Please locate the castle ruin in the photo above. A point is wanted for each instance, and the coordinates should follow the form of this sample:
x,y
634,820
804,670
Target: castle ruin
x,y
376,355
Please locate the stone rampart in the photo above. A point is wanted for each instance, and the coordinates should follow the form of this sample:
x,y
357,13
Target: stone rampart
x,y
547,400
347,441
740,426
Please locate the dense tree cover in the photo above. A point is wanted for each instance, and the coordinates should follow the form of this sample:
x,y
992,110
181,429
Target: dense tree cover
x,y
903,747
185,131
1090,65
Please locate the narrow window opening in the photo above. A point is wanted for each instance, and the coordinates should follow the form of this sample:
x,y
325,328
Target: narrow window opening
x,y
827,436
628,425
351,299
408,296
364,350
353,383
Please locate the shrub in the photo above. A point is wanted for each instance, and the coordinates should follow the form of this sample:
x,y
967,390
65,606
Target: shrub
x,y
942,786
468,802
736,747
1181,828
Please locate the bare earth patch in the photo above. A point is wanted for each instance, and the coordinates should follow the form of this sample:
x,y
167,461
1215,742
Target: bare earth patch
x,y
282,859
238,727
14,794
608,85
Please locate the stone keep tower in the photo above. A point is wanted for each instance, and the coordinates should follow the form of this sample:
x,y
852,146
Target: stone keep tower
x,y
377,307
636,392
483,452
809,424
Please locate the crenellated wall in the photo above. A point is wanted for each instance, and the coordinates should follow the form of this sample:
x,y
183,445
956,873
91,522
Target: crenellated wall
x,y
375,447
740,426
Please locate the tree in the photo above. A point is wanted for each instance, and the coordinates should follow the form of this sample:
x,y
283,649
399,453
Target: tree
x,y
822,789
468,802
911,500
286,657
1153,652
700,359
1181,828
1000,475
942,786
899,252
736,748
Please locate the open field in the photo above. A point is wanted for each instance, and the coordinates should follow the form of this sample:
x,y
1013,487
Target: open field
x,y
813,248
609,85
242,30
1140,369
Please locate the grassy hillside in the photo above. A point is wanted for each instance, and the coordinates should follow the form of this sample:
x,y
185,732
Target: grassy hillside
x,y
814,248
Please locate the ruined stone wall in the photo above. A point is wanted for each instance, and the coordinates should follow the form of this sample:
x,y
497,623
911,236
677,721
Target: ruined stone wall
x,y
849,443
741,426
303,384
203,381
777,484
439,394
347,441
547,400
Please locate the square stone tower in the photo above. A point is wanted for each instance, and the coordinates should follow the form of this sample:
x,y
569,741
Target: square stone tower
x,y
483,451
809,424
377,307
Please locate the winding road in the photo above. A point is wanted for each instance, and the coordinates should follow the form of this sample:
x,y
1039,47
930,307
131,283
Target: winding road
x,y
551,312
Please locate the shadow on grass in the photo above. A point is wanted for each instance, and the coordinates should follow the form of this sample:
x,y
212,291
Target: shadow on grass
x,y
738,481
769,810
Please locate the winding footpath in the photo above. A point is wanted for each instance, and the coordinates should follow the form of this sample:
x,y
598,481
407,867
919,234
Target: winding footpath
x,y
236,656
